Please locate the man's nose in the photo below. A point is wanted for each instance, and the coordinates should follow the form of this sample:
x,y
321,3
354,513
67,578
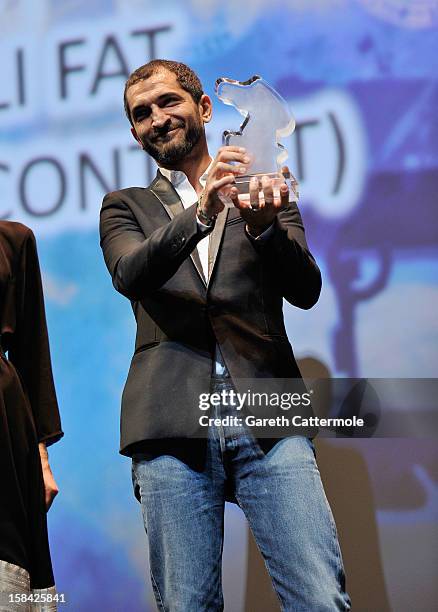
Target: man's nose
x,y
158,116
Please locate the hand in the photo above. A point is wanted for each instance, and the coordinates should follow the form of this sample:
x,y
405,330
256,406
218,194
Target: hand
x,y
221,178
50,487
260,212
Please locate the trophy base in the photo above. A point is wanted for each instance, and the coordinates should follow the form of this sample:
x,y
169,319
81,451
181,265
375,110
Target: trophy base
x,y
242,184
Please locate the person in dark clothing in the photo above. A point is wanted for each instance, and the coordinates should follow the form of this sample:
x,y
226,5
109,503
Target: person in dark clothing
x,y
206,281
29,422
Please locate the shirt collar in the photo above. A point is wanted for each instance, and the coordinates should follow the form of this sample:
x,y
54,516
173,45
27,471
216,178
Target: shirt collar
x,y
176,177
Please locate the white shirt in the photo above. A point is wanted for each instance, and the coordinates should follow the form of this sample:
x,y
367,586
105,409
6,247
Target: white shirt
x,y
188,197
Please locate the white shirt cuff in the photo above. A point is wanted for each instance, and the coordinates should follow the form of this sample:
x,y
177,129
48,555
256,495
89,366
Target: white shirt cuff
x,y
204,228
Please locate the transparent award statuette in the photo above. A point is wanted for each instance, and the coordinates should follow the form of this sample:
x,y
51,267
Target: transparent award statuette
x,y
267,119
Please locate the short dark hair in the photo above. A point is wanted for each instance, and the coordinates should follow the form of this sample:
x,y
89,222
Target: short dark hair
x,y
188,80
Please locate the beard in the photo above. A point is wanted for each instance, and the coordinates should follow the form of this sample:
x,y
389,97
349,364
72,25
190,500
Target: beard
x,y
167,153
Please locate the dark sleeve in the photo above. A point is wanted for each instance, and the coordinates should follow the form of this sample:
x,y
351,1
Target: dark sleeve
x,y
292,264
140,265
29,346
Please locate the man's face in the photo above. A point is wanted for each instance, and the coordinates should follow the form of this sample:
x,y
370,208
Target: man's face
x,y
166,120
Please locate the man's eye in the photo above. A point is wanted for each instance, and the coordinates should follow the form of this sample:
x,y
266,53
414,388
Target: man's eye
x,y
140,115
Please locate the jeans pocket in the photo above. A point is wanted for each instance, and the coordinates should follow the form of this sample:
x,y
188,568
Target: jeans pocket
x,y
135,483
312,446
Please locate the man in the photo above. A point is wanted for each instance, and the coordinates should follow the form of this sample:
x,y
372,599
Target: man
x,y
206,283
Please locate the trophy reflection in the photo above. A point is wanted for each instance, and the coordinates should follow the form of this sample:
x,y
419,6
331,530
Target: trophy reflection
x,y
267,118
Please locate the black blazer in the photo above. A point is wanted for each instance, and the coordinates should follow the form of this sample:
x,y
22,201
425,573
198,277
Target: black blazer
x,y
148,241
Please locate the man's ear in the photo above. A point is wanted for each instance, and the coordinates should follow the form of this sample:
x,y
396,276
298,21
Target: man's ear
x,y
134,133
205,108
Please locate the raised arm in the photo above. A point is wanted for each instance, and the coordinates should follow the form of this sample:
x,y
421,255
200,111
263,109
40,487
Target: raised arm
x,y
295,267
138,264
296,272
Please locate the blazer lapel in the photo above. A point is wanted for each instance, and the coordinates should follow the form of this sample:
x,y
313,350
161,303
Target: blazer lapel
x,y
215,241
166,194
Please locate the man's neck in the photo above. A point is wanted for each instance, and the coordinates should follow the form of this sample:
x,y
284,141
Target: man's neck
x,y
194,167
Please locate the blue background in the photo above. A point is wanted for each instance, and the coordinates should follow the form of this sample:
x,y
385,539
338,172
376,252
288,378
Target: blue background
x,y
370,67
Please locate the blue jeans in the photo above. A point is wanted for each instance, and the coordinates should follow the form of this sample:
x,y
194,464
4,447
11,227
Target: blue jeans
x,y
283,500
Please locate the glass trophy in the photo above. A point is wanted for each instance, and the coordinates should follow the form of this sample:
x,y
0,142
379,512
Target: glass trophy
x,y
267,118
